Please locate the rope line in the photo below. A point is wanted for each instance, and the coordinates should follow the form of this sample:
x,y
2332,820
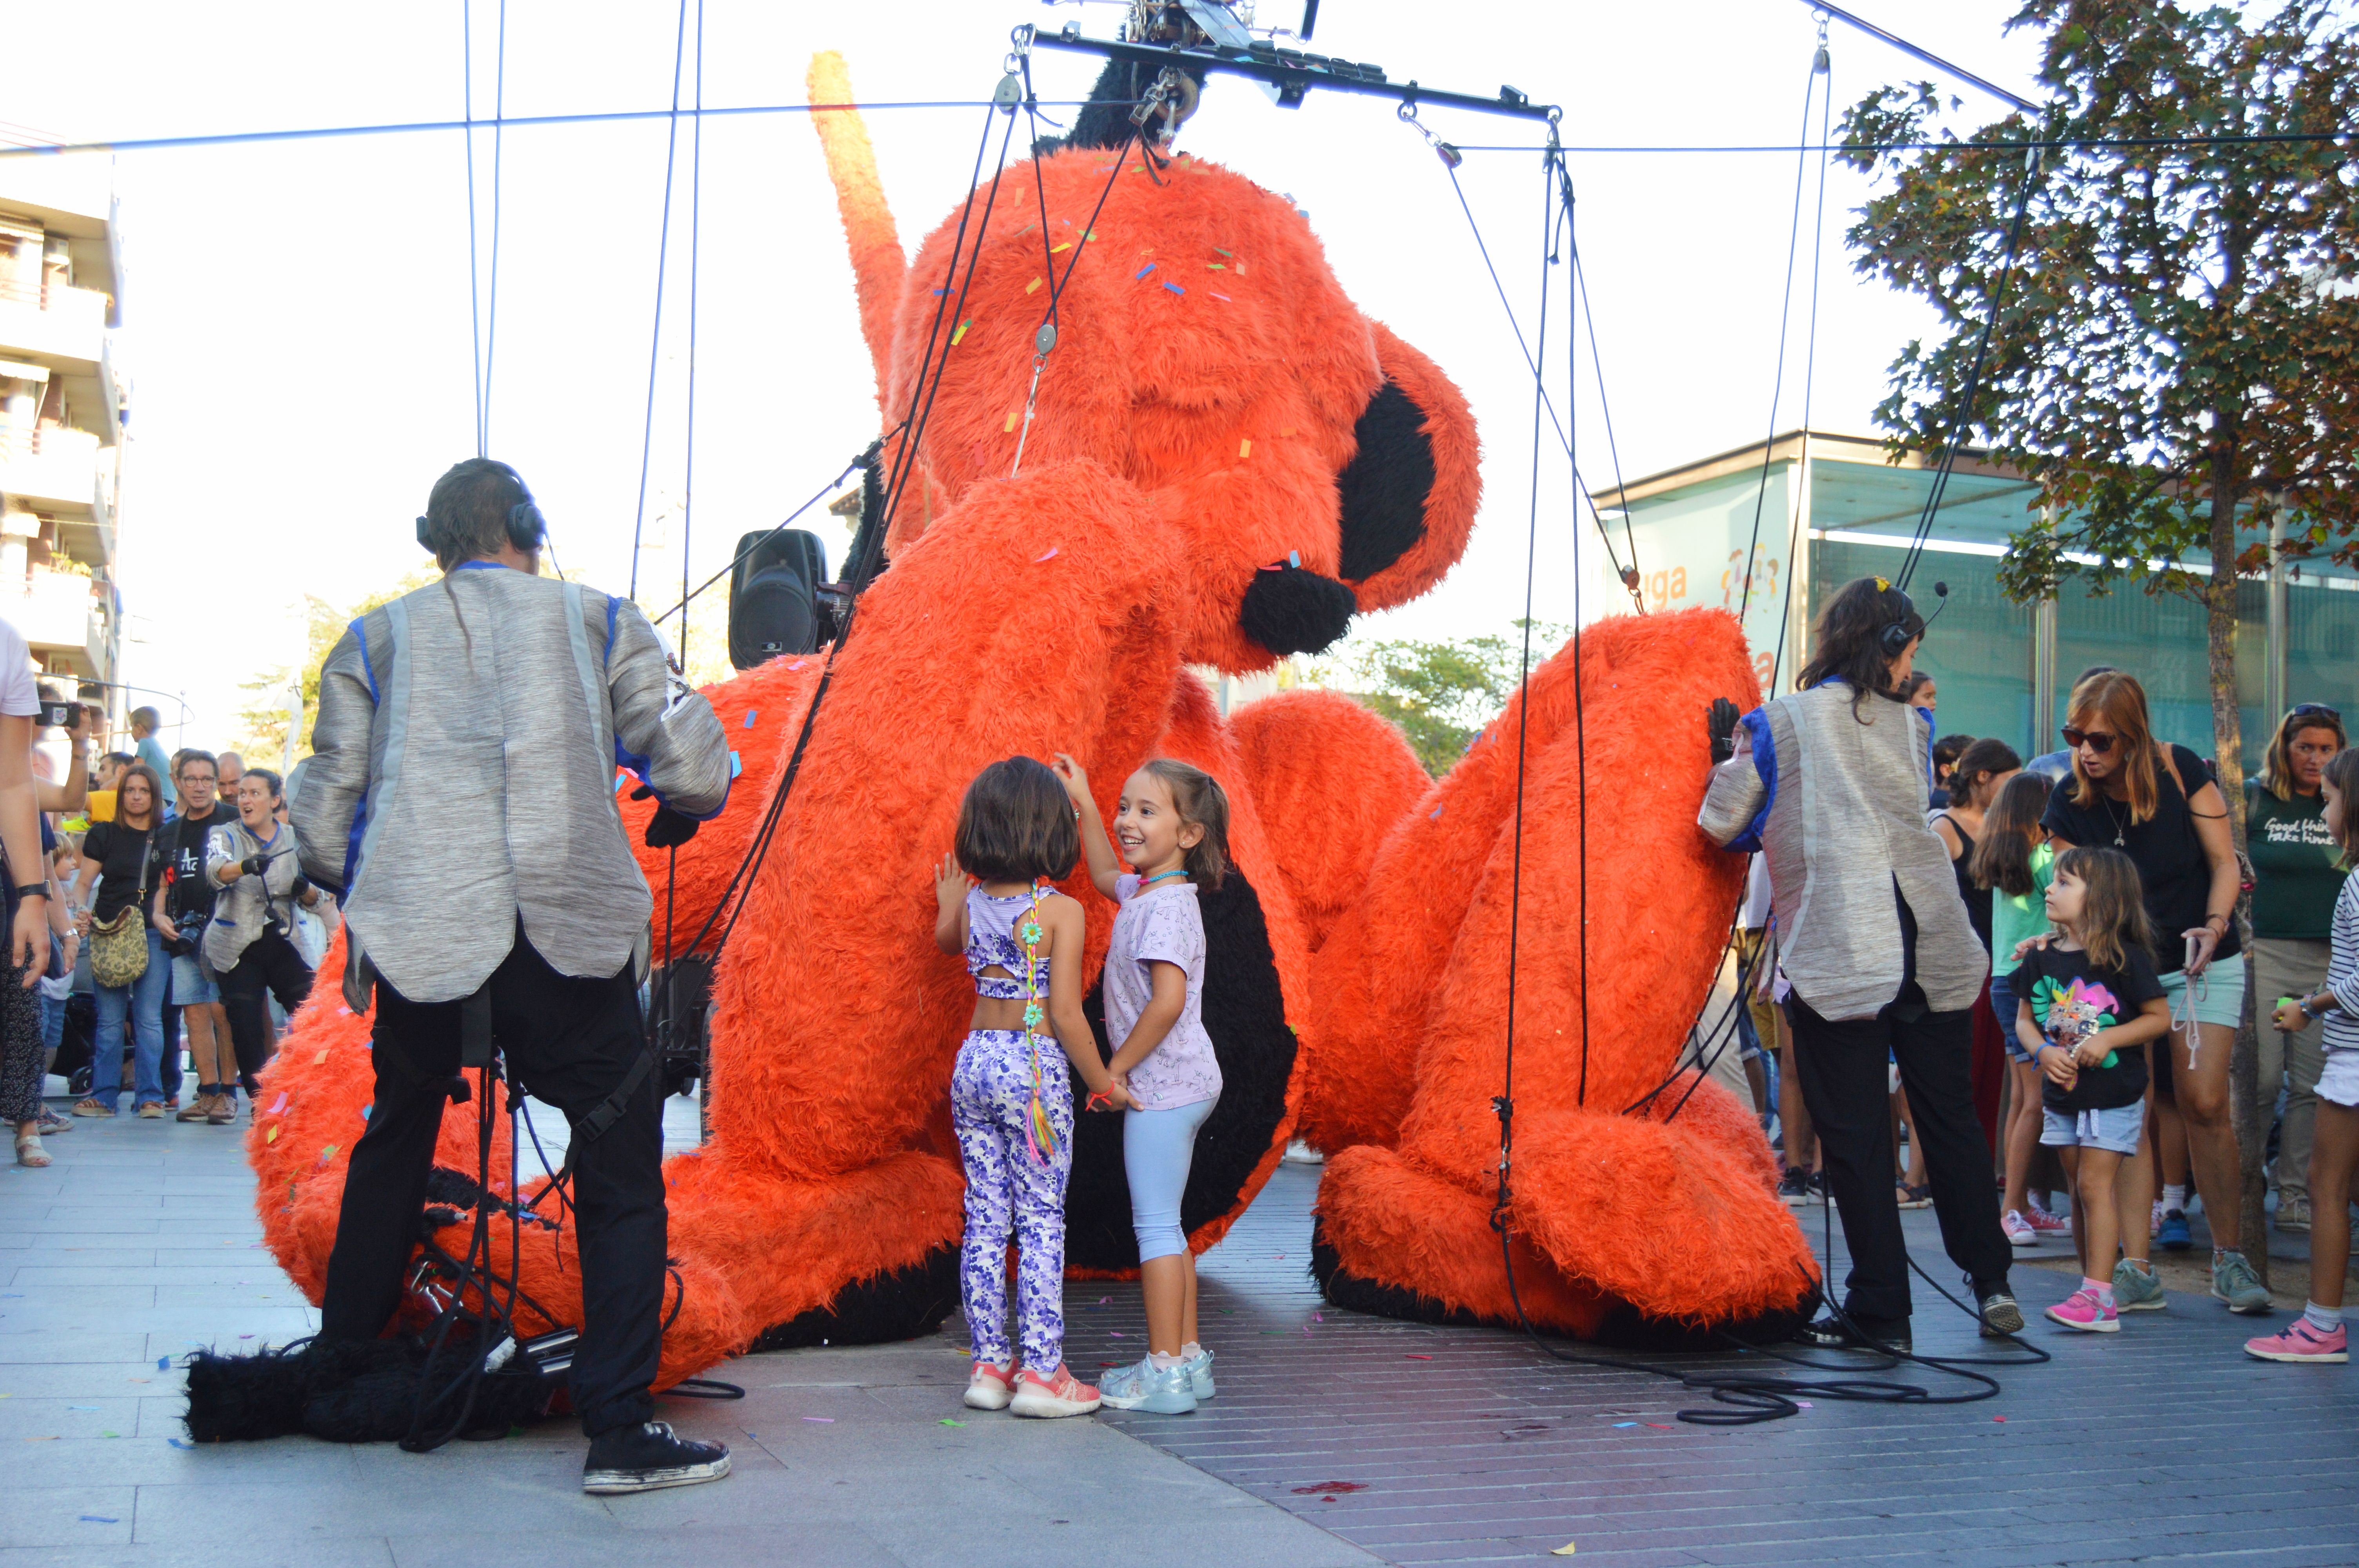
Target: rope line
x,y
492,311
655,336
474,289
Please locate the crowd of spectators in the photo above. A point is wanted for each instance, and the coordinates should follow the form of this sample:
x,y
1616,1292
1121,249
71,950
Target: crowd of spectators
x,y
165,932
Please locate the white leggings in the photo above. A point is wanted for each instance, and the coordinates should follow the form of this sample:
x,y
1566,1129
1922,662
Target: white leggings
x,y
1157,1147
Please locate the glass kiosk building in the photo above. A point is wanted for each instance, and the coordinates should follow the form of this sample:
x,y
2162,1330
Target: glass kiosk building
x,y
1832,508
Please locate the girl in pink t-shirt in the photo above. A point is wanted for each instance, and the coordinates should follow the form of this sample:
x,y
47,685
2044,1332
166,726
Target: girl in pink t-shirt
x,y
1173,823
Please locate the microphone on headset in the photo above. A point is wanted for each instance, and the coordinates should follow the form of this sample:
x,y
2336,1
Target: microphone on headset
x,y
1942,592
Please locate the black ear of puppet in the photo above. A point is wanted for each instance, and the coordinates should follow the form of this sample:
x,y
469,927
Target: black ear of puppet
x,y
1290,610
1104,121
1245,1014
1384,487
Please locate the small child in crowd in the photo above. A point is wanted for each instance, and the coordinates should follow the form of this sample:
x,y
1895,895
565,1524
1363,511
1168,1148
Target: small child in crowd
x,y
1012,1111
1173,821
2014,859
2088,1002
2318,1333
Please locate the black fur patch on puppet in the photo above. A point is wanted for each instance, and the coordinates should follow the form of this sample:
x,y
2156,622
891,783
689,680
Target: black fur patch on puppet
x,y
1625,1328
350,1392
1384,487
900,1304
1290,610
1245,1013
1104,121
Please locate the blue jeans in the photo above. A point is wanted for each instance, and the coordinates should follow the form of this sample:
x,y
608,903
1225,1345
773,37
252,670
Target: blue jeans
x,y
145,999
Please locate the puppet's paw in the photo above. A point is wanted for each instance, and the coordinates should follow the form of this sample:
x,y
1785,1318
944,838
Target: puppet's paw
x,y
1397,1240
1665,1216
867,1256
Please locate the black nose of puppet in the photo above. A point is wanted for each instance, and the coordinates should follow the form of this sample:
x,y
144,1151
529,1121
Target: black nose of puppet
x,y
1290,610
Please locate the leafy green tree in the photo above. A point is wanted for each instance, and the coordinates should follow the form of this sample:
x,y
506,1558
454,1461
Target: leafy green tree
x,y
265,714
1442,692
2174,354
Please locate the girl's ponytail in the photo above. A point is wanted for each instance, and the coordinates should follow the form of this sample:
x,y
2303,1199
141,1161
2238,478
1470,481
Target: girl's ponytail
x,y
1202,803
2002,857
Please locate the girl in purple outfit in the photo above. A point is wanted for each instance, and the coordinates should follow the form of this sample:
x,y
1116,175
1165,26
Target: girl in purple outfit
x,y
1173,821
1011,1101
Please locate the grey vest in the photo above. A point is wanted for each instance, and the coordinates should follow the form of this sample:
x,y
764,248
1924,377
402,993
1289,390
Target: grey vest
x,y
1845,822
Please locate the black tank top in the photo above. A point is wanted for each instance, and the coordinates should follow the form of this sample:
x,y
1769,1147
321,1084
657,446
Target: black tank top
x,y
1978,899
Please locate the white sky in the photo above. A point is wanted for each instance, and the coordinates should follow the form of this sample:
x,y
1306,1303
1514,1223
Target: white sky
x,y
296,322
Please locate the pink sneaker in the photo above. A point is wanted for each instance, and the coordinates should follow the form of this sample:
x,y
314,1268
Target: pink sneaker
x,y
2018,1230
986,1387
2045,1223
1062,1394
2302,1343
2083,1310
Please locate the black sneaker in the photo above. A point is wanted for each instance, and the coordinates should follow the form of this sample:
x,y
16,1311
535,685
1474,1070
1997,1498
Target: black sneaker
x,y
647,1456
1793,1188
2000,1315
1830,1332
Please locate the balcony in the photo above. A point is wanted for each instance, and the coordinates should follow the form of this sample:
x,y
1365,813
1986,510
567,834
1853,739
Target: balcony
x,y
58,616
64,329
52,467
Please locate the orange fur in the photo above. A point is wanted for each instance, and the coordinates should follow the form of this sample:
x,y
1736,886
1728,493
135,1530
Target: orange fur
x,y
879,271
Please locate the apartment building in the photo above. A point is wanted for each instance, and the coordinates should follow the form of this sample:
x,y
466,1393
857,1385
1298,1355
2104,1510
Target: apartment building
x,y
62,406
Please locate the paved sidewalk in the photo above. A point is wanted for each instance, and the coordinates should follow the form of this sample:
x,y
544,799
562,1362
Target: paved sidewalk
x,y
1336,1438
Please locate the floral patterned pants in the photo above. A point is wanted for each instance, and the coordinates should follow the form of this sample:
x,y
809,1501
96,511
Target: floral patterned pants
x,y
1011,1193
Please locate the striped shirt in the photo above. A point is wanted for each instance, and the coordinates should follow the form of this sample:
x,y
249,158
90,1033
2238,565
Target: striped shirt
x,y
2342,970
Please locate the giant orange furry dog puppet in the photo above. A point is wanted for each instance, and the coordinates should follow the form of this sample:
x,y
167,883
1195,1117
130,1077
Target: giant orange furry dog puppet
x,y
1225,461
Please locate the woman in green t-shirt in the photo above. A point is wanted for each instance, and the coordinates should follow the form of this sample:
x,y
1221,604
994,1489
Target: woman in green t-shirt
x,y
2012,859
2295,880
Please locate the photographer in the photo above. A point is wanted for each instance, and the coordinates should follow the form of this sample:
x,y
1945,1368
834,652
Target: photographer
x,y
522,927
1883,962
250,942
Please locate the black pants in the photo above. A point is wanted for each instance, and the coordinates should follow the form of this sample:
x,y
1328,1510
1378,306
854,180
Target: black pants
x,y
270,967
1846,1086
570,1042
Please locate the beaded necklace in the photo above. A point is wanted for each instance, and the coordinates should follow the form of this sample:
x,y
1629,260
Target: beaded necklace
x,y
1039,1132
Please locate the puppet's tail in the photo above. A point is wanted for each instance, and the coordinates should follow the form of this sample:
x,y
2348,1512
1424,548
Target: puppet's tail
x,y
878,268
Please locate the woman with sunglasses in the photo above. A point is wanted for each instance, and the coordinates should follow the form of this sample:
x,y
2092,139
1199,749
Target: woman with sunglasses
x,y
2157,804
2296,879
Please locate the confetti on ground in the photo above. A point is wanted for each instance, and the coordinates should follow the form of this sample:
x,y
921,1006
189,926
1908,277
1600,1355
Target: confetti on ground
x,y
110,1434
1103,1299
246,1337
1330,1488
1998,1418
1565,1550
91,1408
823,1419
99,1518
1116,1332
948,1422
1805,1405
178,1444
1413,1356
1660,1426
1622,1423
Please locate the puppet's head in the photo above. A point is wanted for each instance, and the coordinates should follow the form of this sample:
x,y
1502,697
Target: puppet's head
x,y
1205,353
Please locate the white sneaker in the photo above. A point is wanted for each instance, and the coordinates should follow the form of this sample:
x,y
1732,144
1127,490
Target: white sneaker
x,y
986,1387
1200,1373
2018,1230
1168,1390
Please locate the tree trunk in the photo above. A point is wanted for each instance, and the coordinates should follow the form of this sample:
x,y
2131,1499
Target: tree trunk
x,y
2248,1110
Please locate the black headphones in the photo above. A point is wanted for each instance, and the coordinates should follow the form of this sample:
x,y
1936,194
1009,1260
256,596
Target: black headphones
x,y
528,529
1910,626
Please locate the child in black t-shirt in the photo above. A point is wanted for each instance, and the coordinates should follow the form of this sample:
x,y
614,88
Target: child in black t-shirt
x,y
2090,1002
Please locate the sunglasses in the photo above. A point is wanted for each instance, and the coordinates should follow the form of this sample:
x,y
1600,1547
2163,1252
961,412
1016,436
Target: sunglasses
x,y
2315,710
2097,740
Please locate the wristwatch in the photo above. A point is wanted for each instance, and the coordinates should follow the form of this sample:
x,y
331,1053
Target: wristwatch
x,y
2306,1013
29,889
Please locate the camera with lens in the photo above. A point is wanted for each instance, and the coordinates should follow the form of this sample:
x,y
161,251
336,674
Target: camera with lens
x,y
188,932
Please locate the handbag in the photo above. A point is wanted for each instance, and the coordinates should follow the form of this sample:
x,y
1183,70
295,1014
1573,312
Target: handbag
x,y
118,947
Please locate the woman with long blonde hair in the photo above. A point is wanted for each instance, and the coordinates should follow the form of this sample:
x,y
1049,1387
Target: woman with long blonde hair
x,y
2158,805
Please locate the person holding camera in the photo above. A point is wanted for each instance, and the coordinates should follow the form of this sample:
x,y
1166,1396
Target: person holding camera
x,y
182,909
251,943
1883,962
523,929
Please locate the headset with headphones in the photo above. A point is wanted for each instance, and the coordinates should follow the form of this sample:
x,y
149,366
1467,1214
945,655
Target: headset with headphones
x,y
528,529
1907,627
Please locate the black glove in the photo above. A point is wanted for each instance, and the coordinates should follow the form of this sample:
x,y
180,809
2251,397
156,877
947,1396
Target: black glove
x,y
302,885
1721,726
667,829
255,865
